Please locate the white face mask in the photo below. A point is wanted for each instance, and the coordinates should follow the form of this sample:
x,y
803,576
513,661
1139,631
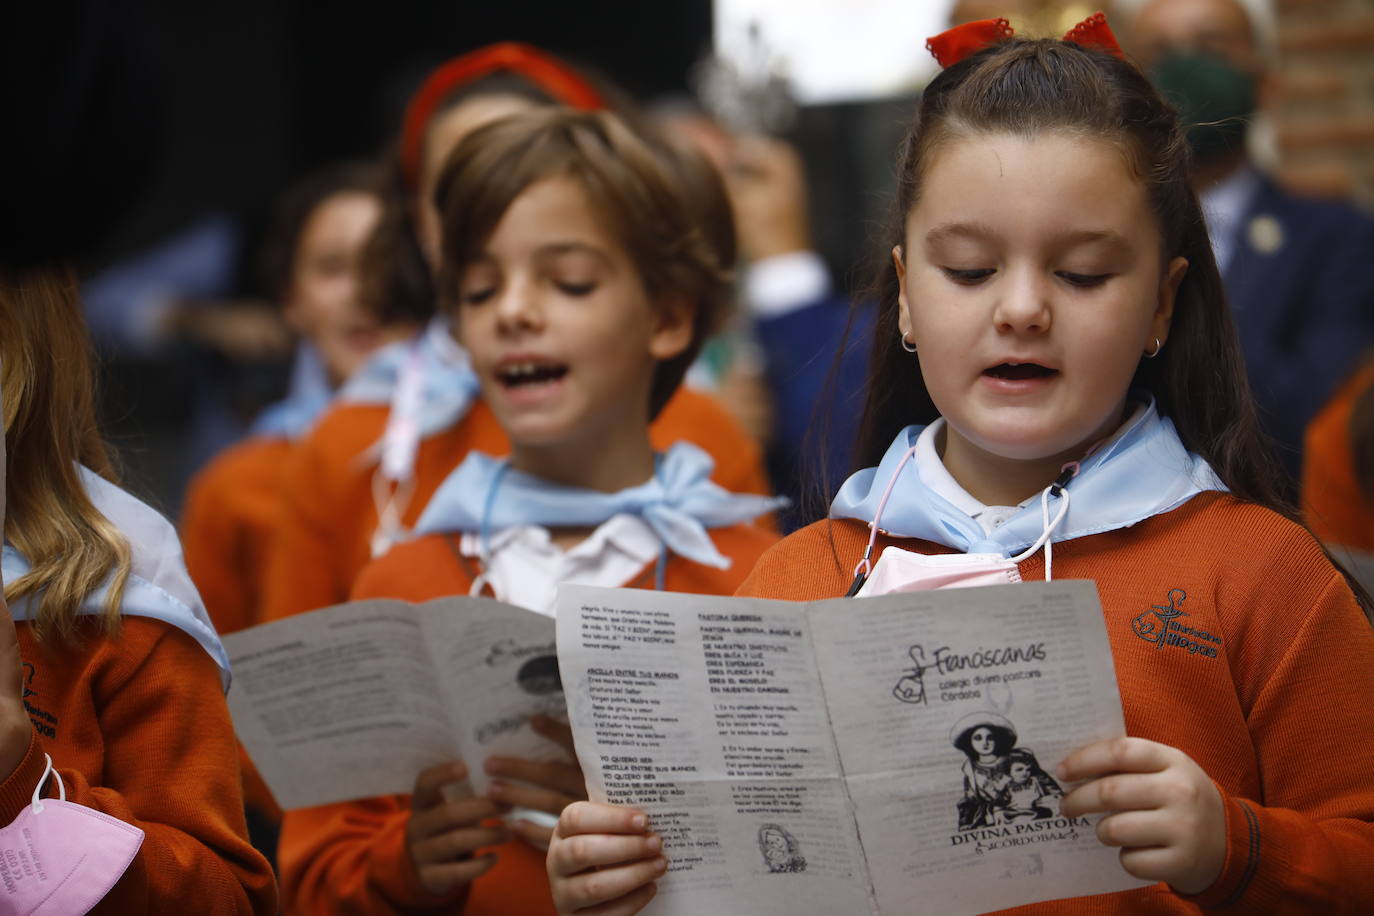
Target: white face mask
x,y
900,570
58,858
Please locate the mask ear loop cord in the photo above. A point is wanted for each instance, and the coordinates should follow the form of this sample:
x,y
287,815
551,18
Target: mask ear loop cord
x,y
484,535
1058,488
862,570
37,799
391,499
393,483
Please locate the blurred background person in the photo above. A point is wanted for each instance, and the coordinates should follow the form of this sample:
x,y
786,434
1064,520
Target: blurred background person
x,y
311,260
1296,268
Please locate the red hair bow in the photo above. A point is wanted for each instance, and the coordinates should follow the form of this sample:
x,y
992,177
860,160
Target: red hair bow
x,y
954,45
542,70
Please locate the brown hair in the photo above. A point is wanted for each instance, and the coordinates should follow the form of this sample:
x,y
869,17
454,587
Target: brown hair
x,y
667,208
50,427
297,205
396,282
1023,87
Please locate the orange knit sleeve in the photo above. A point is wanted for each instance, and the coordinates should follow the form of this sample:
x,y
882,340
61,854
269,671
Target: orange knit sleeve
x,y
1334,505
168,766
210,539
810,563
302,570
352,858
1309,848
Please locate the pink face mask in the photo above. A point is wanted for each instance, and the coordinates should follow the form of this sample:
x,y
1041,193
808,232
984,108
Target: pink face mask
x,y
900,570
58,858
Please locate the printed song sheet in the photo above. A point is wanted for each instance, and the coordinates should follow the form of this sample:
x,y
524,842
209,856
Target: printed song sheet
x,y
353,701
852,755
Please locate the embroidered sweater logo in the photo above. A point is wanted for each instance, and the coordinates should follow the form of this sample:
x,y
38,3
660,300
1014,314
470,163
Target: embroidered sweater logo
x,y
1161,626
44,721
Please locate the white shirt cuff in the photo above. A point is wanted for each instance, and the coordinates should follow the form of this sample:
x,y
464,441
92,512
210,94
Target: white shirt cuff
x,y
785,283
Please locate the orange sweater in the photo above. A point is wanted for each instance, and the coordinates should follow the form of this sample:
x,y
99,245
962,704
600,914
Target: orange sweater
x,y
227,526
352,857
231,510
1332,501
138,728
329,514
1274,719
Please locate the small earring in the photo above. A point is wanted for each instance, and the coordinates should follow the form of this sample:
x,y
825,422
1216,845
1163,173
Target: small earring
x,y
1158,346
908,347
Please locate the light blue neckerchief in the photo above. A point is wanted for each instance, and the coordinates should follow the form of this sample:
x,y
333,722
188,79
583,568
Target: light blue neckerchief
x,y
158,584
306,398
1141,472
449,385
679,503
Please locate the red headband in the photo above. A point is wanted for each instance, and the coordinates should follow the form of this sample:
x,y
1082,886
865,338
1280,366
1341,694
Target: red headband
x,y
959,42
544,71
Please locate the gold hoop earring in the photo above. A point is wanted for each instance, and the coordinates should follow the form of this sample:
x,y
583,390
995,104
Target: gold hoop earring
x,y
908,347
1158,346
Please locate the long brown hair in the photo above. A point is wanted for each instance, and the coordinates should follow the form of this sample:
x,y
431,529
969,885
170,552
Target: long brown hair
x,y
666,206
50,427
1024,87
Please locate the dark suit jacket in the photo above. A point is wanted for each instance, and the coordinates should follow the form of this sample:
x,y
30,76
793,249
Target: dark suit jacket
x,y
816,362
1301,285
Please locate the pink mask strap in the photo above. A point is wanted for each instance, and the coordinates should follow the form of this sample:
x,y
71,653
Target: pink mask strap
x,y
865,566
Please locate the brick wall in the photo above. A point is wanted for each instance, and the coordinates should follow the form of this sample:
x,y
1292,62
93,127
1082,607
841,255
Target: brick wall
x,y
1325,112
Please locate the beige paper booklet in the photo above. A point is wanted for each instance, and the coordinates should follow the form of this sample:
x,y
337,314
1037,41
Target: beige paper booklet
x,y
353,701
875,755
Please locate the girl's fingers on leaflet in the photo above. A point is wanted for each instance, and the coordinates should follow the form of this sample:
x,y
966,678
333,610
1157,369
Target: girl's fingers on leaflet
x,y
575,854
1151,863
520,796
1115,755
631,903
609,884
598,817
466,812
566,779
446,876
1135,829
430,782
1120,792
456,844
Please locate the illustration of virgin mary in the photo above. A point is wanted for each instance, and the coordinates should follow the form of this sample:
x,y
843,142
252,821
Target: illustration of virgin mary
x,y
986,739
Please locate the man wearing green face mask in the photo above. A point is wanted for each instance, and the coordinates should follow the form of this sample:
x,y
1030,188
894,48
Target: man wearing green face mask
x,y
1298,271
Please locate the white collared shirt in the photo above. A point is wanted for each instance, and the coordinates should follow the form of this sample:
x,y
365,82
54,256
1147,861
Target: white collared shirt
x,y
784,283
526,566
935,475
1223,206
